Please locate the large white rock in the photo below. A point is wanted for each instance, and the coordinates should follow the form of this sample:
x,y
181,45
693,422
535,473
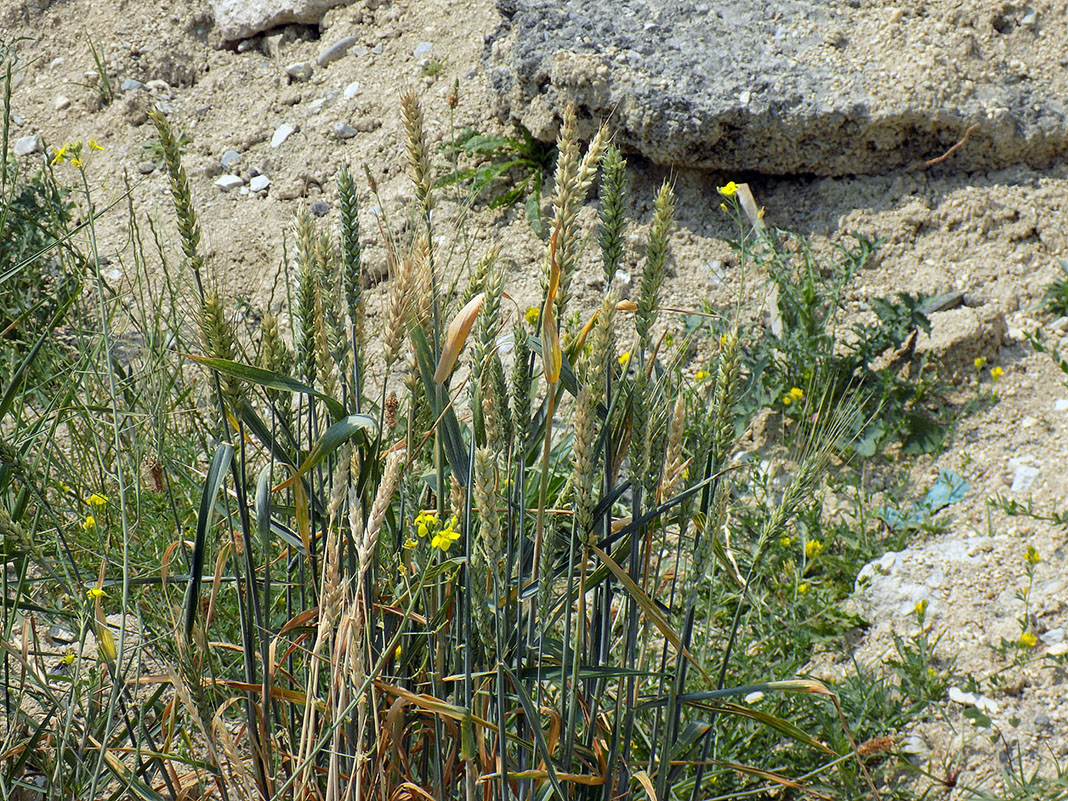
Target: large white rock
x,y
240,19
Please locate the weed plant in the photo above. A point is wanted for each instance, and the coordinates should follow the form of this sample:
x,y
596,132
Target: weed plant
x,y
483,558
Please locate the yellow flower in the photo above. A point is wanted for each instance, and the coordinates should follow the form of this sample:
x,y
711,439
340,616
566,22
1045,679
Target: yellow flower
x,y
787,400
410,543
802,588
624,357
997,373
96,592
532,314
89,523
760,213
921,607
785,542
93,145
97,501
76,162
446,537
1028,640
61,155
669,339
729,190
702,375
722,340
1032,556
68,659
813,548
722,206
397,653
980,362
424,521
797,393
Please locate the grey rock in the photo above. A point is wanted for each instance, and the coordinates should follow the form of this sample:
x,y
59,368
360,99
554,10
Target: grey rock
x,y
319,208
728,85
25,145
1042,720
131,85
344,131
1060,324
300,71
423,49
62,635
240,19
259,183
282,133
229,182
146,167
229,159
335,51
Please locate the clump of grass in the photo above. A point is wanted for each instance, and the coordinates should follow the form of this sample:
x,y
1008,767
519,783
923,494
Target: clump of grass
x,y
450,565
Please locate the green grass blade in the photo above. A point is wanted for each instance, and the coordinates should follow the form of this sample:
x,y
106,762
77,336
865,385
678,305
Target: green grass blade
x,y
212,484
265,378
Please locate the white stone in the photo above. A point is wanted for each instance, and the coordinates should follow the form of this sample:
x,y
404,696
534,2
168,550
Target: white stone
x,y
1060,405
259,183
240,19
1023,478
623,277
282,133
25,145
300,70
228,182
754,697
422,50
351,90
62,102
131,85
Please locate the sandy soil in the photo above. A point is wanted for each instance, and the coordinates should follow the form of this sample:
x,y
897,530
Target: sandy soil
x,y
995,236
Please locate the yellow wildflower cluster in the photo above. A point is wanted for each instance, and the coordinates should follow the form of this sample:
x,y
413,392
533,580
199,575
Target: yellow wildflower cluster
x,y
441,537
624,357
1028,640
1032,556
72,152
97,501
793,396
730,189
532,315
702,375
89,523
813,549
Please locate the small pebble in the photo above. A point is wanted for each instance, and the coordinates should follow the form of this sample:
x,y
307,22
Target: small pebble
x,y
1060,405
422,50
319,208
344,131
131,85
316,106
335,51
55,62
158,86
259,183
1023,478
351,90
146,167
25,145
1060,324
229,159
300,71
1042,720
282,133
62,102
228,182
60,634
